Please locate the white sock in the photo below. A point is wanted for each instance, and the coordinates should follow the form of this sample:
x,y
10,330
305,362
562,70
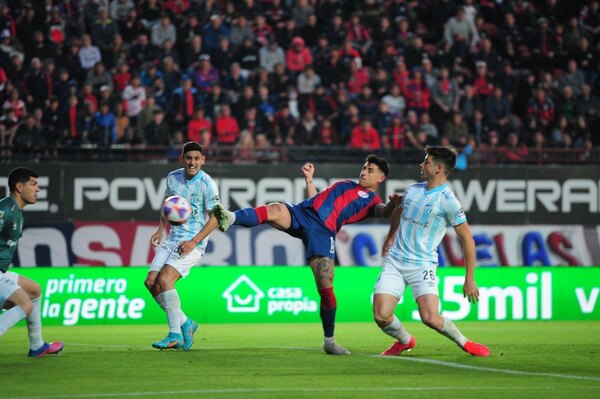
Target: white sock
x,y
172,308
451,331
160,299
396,330
10,318
34,325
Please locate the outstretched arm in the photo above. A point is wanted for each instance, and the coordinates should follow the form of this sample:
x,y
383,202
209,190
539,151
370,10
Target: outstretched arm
x,y
470,289
308,170
385,211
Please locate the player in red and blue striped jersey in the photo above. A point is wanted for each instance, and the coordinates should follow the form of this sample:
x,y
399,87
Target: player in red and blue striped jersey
x,y
316,222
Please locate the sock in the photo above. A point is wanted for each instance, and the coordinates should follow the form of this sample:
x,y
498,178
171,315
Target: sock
x,y
182,317
160,299
10,318
172,308
397,330
451,331
250,217
34,325
328,308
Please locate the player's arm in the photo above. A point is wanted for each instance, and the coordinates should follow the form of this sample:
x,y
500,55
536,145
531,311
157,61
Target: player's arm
x,y
308,170
465,236
385,211
394,224
186,247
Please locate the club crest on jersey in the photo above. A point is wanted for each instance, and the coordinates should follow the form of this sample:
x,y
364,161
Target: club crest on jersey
x,y
362,194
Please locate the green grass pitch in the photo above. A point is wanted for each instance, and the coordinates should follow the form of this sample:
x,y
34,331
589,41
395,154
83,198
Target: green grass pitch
x,y
528,360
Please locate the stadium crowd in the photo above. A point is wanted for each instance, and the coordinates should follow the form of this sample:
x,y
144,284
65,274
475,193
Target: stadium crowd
x,y
252,76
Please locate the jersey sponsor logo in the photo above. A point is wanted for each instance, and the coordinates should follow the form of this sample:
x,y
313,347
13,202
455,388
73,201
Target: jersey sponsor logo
x,y
362,194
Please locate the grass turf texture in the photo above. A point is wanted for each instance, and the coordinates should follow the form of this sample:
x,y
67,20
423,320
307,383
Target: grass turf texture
x,y
528,359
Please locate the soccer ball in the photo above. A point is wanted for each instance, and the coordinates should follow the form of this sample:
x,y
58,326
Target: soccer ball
x,y
176,210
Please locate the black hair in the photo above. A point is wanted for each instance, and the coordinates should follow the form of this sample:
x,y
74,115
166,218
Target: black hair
x,y
444,155
380,162
19,175
192,146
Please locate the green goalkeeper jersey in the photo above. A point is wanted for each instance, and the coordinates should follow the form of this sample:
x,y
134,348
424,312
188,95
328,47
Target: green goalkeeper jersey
x,y
11,228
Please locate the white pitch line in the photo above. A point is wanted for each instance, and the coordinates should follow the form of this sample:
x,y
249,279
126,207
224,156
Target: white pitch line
x,y
405,358
490,369
276,390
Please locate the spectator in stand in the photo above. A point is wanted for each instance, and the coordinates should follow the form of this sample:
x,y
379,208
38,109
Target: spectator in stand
x,y
328,136
297,57
163,31
103,131
223,57
496,106
284,125
460,35
247,57
365,137
104,30
445,95
145,115
197,126
541,107
158,131
213,31
121,78
36,85
566,103
130,27
227,129
184,102
142,52
456,129
542,42
15,104
417,93
243,152
72,123
26,138
429,128
306,131
572,77
395,100
99,76
515,151
365,101
240,30
134,98
124,131
204,75
382,119
394,137
270,55
89,55
262,32
482,84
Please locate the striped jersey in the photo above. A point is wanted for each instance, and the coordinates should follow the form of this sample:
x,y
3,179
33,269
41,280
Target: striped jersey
x,y
11,228
426,216
342,203
202,193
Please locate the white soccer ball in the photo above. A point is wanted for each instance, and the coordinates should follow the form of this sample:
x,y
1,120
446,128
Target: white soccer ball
x,y
176,210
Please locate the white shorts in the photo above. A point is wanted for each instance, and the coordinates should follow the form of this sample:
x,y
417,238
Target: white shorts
x,y
8,285
394,278
168,254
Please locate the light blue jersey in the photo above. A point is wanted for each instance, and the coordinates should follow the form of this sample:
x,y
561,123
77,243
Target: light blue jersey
x,y
426,216
202,193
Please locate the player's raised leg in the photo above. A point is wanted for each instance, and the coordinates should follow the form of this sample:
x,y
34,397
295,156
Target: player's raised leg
x,y
276,214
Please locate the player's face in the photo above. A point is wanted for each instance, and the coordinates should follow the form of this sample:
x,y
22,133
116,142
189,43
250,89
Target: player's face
x,y
192,161
29,191
370,176
429,168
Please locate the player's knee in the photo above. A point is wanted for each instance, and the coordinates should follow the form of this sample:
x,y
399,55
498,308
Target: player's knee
x,y
34,291
149,283
382,320
431,320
